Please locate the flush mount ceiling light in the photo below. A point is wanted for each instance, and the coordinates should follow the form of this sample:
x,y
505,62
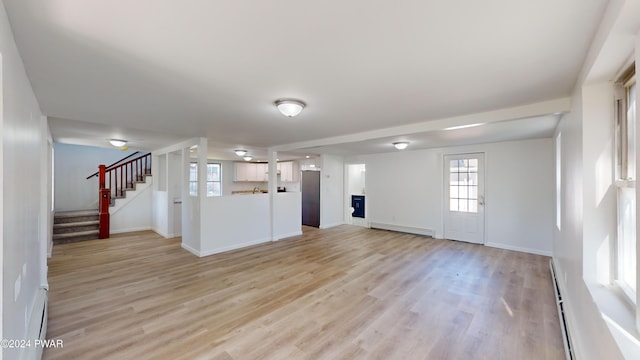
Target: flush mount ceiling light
x,y
248,158
241,152
117,142
290,107
401,145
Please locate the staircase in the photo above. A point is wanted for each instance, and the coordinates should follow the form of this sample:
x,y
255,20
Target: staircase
x,y
113,183
72,226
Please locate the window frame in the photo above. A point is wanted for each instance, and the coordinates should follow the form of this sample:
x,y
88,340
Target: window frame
x,y
219,181
625,172
195,182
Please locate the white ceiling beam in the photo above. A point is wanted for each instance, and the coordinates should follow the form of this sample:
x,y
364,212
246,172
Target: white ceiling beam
x,y
555,106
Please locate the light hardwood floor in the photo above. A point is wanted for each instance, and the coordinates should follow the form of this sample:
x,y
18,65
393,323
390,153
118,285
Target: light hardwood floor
x,y
341,293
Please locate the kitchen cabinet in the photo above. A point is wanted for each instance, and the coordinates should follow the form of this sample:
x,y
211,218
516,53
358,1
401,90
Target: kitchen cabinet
x,y
259,172
285,169
254,172
245,172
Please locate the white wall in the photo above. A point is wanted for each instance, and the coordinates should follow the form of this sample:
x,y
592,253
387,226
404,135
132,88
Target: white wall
x,y
134,212
232,222
160,213
600,322
73,163
519,195
287,217
405,189
331,191
356,179
589,333
21,168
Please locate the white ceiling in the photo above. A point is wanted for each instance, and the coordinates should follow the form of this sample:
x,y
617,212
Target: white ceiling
x,y
158,71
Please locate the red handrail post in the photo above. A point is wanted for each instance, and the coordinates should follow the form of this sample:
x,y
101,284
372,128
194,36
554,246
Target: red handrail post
x,y
103,201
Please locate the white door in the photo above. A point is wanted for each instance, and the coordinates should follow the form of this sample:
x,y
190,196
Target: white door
x,y
464,197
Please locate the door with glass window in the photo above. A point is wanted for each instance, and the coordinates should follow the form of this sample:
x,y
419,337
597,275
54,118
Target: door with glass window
x,y
464,197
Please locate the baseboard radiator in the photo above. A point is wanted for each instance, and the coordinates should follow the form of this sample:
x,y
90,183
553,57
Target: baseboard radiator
x,y
566,338
401,228
37,329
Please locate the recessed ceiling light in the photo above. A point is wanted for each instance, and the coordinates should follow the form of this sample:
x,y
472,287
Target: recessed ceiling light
x,y
248,158
290,107
401,145
308,157
118,142
241,152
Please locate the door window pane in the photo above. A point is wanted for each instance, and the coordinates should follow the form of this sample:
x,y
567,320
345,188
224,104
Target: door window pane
x,y
463,185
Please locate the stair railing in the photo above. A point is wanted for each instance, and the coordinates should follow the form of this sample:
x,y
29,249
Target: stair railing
x,y
115,163
114,180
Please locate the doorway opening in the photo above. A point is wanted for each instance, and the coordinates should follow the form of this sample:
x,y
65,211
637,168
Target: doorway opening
x,y
355,199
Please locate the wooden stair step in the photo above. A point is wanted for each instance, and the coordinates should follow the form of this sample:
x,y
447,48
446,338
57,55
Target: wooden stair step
x,y
75,236
79,223
65,214
76,227
75,216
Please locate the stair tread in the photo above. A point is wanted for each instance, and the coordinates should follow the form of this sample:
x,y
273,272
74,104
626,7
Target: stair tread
x,y
74,234
79,223
66,214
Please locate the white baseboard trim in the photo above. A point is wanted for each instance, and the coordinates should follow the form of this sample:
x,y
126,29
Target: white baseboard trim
x,y
233,247
120,231
191,250
284,236
327,226
164,235
520,249
401,228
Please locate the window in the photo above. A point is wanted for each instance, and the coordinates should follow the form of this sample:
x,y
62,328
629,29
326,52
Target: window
x,y
193,179
214,187
463,185
214,179
626,268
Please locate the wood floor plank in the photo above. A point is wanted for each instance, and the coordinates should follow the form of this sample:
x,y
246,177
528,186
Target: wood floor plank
x,y
341,293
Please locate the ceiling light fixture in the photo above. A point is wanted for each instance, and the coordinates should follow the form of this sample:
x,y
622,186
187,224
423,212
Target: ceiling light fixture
x,y
248,158
117,142
401,145
241,152
290,107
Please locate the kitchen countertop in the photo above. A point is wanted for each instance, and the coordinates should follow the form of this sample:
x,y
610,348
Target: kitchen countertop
x,y
245,192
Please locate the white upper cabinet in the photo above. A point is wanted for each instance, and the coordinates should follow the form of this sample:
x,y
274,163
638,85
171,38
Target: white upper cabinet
x,y
285,169
259,172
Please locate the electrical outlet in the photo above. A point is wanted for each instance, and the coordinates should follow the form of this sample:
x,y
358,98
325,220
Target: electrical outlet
x,y
24,270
